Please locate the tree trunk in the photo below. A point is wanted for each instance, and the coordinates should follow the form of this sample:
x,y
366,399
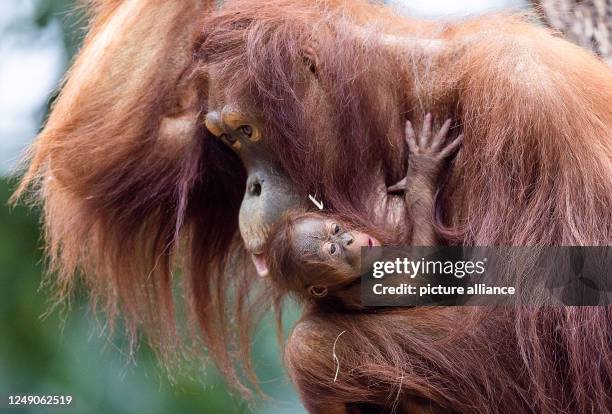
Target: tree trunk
x,y
587,23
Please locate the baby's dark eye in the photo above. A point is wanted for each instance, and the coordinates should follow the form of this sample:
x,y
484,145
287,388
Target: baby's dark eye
x,y
335,228
333,248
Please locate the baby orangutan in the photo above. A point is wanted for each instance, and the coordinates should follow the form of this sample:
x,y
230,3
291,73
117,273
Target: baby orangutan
x,y
318,256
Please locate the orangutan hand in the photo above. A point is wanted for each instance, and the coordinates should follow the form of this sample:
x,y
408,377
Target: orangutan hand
x,y
427,154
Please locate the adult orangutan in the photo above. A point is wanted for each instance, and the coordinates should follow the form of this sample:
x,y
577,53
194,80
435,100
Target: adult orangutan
x,y
310,97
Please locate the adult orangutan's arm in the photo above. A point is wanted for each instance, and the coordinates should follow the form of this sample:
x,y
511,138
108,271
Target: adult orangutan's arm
x,y
359,363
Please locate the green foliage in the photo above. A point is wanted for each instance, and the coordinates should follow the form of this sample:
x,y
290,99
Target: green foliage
x,y
71,17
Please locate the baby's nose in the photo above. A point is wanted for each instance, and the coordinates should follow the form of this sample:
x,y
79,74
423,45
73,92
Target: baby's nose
x,y
347,239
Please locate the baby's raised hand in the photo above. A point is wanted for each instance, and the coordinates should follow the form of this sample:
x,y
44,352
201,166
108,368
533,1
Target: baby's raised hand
x,y
427,153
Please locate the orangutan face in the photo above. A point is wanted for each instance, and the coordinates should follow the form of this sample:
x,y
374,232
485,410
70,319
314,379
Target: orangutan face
x,y
331,242
269,192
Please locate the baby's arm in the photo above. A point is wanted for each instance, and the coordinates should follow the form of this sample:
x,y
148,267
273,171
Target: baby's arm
x,y
427,155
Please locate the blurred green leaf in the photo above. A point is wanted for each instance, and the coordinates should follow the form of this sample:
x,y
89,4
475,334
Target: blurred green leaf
x,y
70,14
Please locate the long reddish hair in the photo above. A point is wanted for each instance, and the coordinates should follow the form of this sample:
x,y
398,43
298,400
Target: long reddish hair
x,y
125,202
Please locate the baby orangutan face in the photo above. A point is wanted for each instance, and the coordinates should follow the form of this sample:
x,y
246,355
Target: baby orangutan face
x,y
312,255
330,242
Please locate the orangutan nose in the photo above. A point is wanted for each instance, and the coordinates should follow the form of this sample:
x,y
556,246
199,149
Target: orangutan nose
x,y
254,187
347,239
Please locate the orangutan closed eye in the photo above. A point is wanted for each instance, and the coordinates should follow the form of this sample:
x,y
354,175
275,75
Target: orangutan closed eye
x,y
316,256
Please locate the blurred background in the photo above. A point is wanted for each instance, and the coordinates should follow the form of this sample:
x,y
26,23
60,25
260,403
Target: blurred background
x,y
66,353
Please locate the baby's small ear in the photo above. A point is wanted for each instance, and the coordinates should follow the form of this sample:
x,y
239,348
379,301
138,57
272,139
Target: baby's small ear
x,y
317,291
310,59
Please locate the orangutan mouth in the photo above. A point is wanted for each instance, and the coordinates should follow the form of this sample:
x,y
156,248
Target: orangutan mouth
x,y
260,264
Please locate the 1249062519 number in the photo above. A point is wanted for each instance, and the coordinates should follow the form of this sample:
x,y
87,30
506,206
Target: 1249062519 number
x,y
40,400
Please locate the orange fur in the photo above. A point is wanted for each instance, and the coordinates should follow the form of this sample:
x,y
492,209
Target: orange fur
x,y
126,197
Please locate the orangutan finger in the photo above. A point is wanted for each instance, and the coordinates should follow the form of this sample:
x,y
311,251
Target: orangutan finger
x,y
441,135
450,148
425,132
411,138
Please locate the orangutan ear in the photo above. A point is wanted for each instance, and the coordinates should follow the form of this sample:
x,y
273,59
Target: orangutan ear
x,y
310,59
180,114
317,291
